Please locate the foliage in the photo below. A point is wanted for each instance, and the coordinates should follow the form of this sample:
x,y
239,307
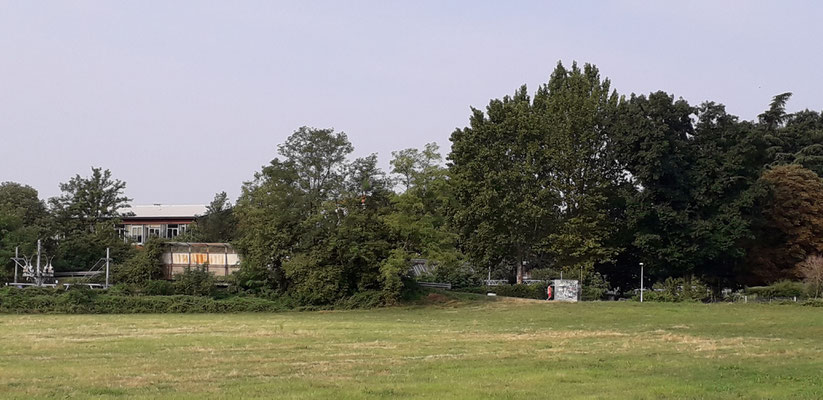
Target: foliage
x,y
416,167
218,225
82,301
195,281
155,288
792,223
144,266
544,274
85,202
23,219
85,216
784,288
392,271
573,178
693,171
81,250
594,287
534,190
811,270
678,290
533,291
456,272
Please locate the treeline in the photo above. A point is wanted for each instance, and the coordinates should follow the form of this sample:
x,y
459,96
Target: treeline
x,y
574,178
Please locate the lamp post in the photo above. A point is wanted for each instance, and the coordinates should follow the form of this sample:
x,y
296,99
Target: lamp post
x,y
641,282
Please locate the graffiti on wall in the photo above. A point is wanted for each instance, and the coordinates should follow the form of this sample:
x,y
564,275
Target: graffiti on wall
x,y
565,289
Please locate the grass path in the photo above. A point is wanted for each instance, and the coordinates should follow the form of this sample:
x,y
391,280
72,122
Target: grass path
x,y
502,349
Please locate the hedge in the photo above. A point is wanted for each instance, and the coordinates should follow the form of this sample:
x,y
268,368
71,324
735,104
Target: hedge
x,y
535,291
780,289
79,301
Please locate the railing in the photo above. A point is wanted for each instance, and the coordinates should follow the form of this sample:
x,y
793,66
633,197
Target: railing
x,y
436,285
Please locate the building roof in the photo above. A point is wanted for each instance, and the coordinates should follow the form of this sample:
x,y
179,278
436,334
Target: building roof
x,y
166,211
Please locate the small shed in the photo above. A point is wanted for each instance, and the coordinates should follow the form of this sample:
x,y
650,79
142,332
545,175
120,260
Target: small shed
x,y
221,259
566,290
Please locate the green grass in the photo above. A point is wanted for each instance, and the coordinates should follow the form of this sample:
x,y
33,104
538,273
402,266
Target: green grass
x,y
505,349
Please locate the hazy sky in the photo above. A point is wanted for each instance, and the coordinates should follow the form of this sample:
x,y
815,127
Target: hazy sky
x,y
182,99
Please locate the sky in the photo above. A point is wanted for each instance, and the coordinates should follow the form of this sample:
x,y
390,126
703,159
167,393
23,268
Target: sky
x,y
184,99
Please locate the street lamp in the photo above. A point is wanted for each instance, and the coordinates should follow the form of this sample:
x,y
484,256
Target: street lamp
x,y
641,282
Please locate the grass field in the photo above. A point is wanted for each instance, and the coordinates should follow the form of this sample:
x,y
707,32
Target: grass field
x,y
512,349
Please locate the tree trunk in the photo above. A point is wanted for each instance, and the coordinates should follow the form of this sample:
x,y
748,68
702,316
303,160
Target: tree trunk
x,y
519,267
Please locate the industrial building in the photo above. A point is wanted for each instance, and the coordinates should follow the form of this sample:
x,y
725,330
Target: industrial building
x,y
219,258
158,220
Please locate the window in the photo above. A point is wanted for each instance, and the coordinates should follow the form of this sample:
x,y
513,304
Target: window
x,y
121,231
154,231
172,230
137,233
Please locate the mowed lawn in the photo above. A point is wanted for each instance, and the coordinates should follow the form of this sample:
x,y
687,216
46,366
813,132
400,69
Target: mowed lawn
x,y
511,349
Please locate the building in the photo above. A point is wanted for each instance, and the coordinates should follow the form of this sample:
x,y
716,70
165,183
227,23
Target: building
x,y
158,220
220,259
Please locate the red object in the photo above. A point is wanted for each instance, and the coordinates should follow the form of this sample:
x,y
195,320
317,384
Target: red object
x,y
549,292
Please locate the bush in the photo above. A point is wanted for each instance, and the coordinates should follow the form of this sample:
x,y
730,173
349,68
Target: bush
x,y
595,287
364,299
779,289
314,283
813,303
197,281
75,301
533,291
392,270
458,275
143,267
158,288
674,290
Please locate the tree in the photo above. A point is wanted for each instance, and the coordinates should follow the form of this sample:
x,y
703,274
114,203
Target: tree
x,y
793,138
776,115
811,270
218,225
413,165
88,201
23,220
319,159
504,205
532,179
792,225
270,213
344,245
85,216
575,110
694,198
419,221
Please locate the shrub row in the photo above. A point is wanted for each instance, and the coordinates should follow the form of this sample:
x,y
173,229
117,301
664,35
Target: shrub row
x,y
79,301
535,291
777,290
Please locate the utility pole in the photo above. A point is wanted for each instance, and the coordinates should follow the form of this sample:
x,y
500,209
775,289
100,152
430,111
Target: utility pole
x,y
16,256
107,267
38,279
641,282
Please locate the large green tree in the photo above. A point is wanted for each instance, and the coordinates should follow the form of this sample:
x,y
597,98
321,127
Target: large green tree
x,y
532,179
575,112
311,225
693,170
504,205
793,138
23,220
85,216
